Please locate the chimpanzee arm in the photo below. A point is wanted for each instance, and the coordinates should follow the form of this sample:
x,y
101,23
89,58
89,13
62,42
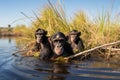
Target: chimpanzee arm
x,y
36,47
80,45
68,49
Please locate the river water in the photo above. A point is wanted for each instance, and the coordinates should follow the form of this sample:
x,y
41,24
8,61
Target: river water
x,y
31,68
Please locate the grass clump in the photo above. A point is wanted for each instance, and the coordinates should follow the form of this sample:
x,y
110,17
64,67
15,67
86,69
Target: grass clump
x,y
103,29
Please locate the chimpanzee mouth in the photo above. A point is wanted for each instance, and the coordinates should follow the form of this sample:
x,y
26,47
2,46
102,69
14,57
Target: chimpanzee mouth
x,y
39,40
59,50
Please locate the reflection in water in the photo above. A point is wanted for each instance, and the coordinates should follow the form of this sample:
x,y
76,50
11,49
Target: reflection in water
x,y
57,71
31,68
59,68
9,39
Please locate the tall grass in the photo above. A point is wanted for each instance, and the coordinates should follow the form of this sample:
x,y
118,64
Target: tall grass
x,y
53,19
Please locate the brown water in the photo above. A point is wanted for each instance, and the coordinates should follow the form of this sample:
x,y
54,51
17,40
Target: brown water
x,y
30,68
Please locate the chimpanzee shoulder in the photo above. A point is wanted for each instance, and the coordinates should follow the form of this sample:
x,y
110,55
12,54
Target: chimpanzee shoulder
x,y
68,49
80,45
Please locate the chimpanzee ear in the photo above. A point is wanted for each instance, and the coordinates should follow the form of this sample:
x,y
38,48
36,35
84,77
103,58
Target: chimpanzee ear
x,y
79,33
49,39
67,37
35,34
45,32
35,37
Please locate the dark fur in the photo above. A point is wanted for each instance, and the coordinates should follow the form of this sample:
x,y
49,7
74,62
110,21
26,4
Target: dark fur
x,y
42,44
77,43
60,40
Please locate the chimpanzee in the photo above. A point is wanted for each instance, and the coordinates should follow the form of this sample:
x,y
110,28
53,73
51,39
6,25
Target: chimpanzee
x,y
75,41
42,44
60,46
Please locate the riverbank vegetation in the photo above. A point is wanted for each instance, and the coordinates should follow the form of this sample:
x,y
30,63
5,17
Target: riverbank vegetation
x,y
101,29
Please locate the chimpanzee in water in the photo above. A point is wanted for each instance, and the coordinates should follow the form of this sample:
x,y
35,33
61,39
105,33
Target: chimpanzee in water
x,y
60,46
42,44
75,41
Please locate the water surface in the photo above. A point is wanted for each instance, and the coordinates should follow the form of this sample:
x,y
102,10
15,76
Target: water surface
x,y
30,68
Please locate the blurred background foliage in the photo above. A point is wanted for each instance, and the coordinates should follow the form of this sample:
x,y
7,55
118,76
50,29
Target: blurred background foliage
x,y
105,28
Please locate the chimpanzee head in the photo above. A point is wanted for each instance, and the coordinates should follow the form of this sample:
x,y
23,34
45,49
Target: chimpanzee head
x,y
58,42
40,35
74,35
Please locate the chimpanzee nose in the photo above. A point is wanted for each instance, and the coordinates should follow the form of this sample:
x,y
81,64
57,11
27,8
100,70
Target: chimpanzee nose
x,y
58,45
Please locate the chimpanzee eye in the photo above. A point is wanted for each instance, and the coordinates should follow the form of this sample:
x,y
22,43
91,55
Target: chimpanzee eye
x,y
56,40
61,40
73,35
38,33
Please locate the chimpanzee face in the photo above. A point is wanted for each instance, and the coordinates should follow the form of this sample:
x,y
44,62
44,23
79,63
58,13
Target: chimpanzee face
x,y
58,46
39,37
73,37
58,42
40,34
